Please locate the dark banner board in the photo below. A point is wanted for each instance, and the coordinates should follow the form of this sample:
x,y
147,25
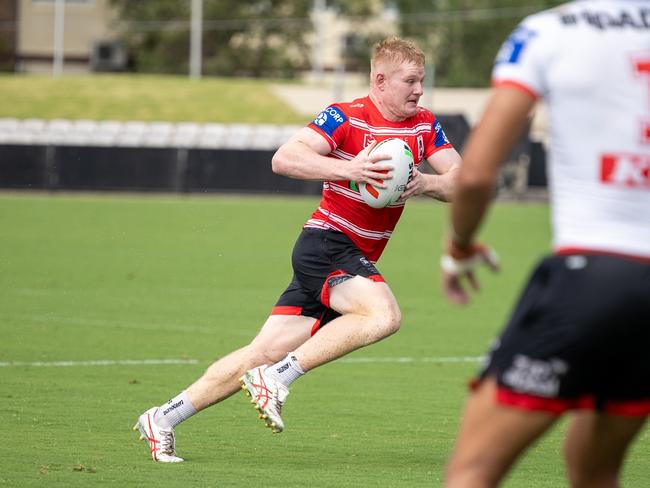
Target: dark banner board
x,y
173,169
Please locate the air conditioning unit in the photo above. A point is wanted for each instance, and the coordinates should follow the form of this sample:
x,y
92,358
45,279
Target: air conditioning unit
x,y
108,56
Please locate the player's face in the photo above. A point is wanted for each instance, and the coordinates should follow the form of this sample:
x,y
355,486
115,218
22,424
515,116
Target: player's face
x,y
404,89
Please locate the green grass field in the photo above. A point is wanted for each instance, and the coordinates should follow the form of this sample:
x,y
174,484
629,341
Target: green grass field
x,y
88,278
143,97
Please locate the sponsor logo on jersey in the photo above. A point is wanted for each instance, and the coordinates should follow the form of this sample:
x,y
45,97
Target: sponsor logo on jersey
x,y
514,45
420,148
330,119
642,71
629,170
321,119
441,137
610,20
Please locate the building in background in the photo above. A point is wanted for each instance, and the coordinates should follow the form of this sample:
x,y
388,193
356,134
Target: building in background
x,y
342,44
8,15
88,37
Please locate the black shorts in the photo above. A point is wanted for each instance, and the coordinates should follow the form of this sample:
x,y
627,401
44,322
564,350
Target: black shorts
x,y
578,338
321,259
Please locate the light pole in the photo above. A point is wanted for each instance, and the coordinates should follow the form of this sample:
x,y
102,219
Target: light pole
x,y
196,38
59,31
318,13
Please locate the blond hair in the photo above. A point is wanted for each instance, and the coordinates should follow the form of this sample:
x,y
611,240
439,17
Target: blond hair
x,y
395,50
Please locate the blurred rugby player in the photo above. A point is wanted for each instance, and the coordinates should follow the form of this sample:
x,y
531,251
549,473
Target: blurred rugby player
x,y
579,336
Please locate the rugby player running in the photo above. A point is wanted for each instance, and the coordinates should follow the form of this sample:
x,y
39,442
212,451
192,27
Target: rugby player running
x,y
337,301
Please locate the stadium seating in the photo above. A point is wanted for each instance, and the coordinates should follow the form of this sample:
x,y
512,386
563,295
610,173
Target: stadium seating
x,y
143,134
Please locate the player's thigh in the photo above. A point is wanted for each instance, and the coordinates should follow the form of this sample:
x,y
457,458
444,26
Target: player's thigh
x,y
491,437
364,296
281,334
596,443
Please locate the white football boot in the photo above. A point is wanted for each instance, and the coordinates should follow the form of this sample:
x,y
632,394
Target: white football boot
x,y
267,396
162,442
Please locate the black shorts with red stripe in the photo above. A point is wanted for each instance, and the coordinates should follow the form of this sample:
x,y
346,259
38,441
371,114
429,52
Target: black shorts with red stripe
x,y
578,338
321,259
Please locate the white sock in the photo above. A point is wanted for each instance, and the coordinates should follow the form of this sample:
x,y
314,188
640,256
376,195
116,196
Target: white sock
x,y
286,371
175,411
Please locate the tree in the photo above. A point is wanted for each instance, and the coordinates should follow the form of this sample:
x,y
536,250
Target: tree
x,y
271,38
462,37
240,38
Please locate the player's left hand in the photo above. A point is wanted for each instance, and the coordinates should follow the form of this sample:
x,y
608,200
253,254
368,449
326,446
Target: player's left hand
x,y
459,263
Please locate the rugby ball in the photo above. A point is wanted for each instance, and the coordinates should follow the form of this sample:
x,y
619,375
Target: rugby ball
x,y
401,158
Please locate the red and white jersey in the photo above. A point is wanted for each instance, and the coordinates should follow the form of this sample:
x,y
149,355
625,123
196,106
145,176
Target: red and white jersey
x,y
349,127
590,61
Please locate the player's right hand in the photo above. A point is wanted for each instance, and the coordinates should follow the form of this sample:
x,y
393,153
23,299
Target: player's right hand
x,y
367,168
459,263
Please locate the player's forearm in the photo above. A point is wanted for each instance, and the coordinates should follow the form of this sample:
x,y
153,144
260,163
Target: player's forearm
x,y
490,141
475,182
296,160
467,211
441,187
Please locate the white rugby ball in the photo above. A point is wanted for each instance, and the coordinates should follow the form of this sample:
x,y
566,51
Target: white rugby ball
x,y
401,158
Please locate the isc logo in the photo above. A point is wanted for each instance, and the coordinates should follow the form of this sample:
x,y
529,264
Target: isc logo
x,y
629,170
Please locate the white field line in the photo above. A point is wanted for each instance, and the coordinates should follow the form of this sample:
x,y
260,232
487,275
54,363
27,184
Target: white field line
x,y
456,359
101,362
155,362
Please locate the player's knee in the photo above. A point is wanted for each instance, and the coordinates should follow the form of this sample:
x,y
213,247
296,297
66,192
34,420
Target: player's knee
x,y
260,354
387,317
393,319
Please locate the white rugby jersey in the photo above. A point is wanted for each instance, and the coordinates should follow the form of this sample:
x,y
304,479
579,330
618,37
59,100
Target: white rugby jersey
x,y
590,61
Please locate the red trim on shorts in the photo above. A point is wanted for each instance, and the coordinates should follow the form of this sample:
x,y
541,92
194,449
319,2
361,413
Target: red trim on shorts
x,y
325,292
292,310
563,251
554,406
377,278
632,408
517,85
316,326
286,310
558,406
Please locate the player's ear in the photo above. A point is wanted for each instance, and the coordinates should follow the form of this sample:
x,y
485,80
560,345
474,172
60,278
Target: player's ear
x,y
379,80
